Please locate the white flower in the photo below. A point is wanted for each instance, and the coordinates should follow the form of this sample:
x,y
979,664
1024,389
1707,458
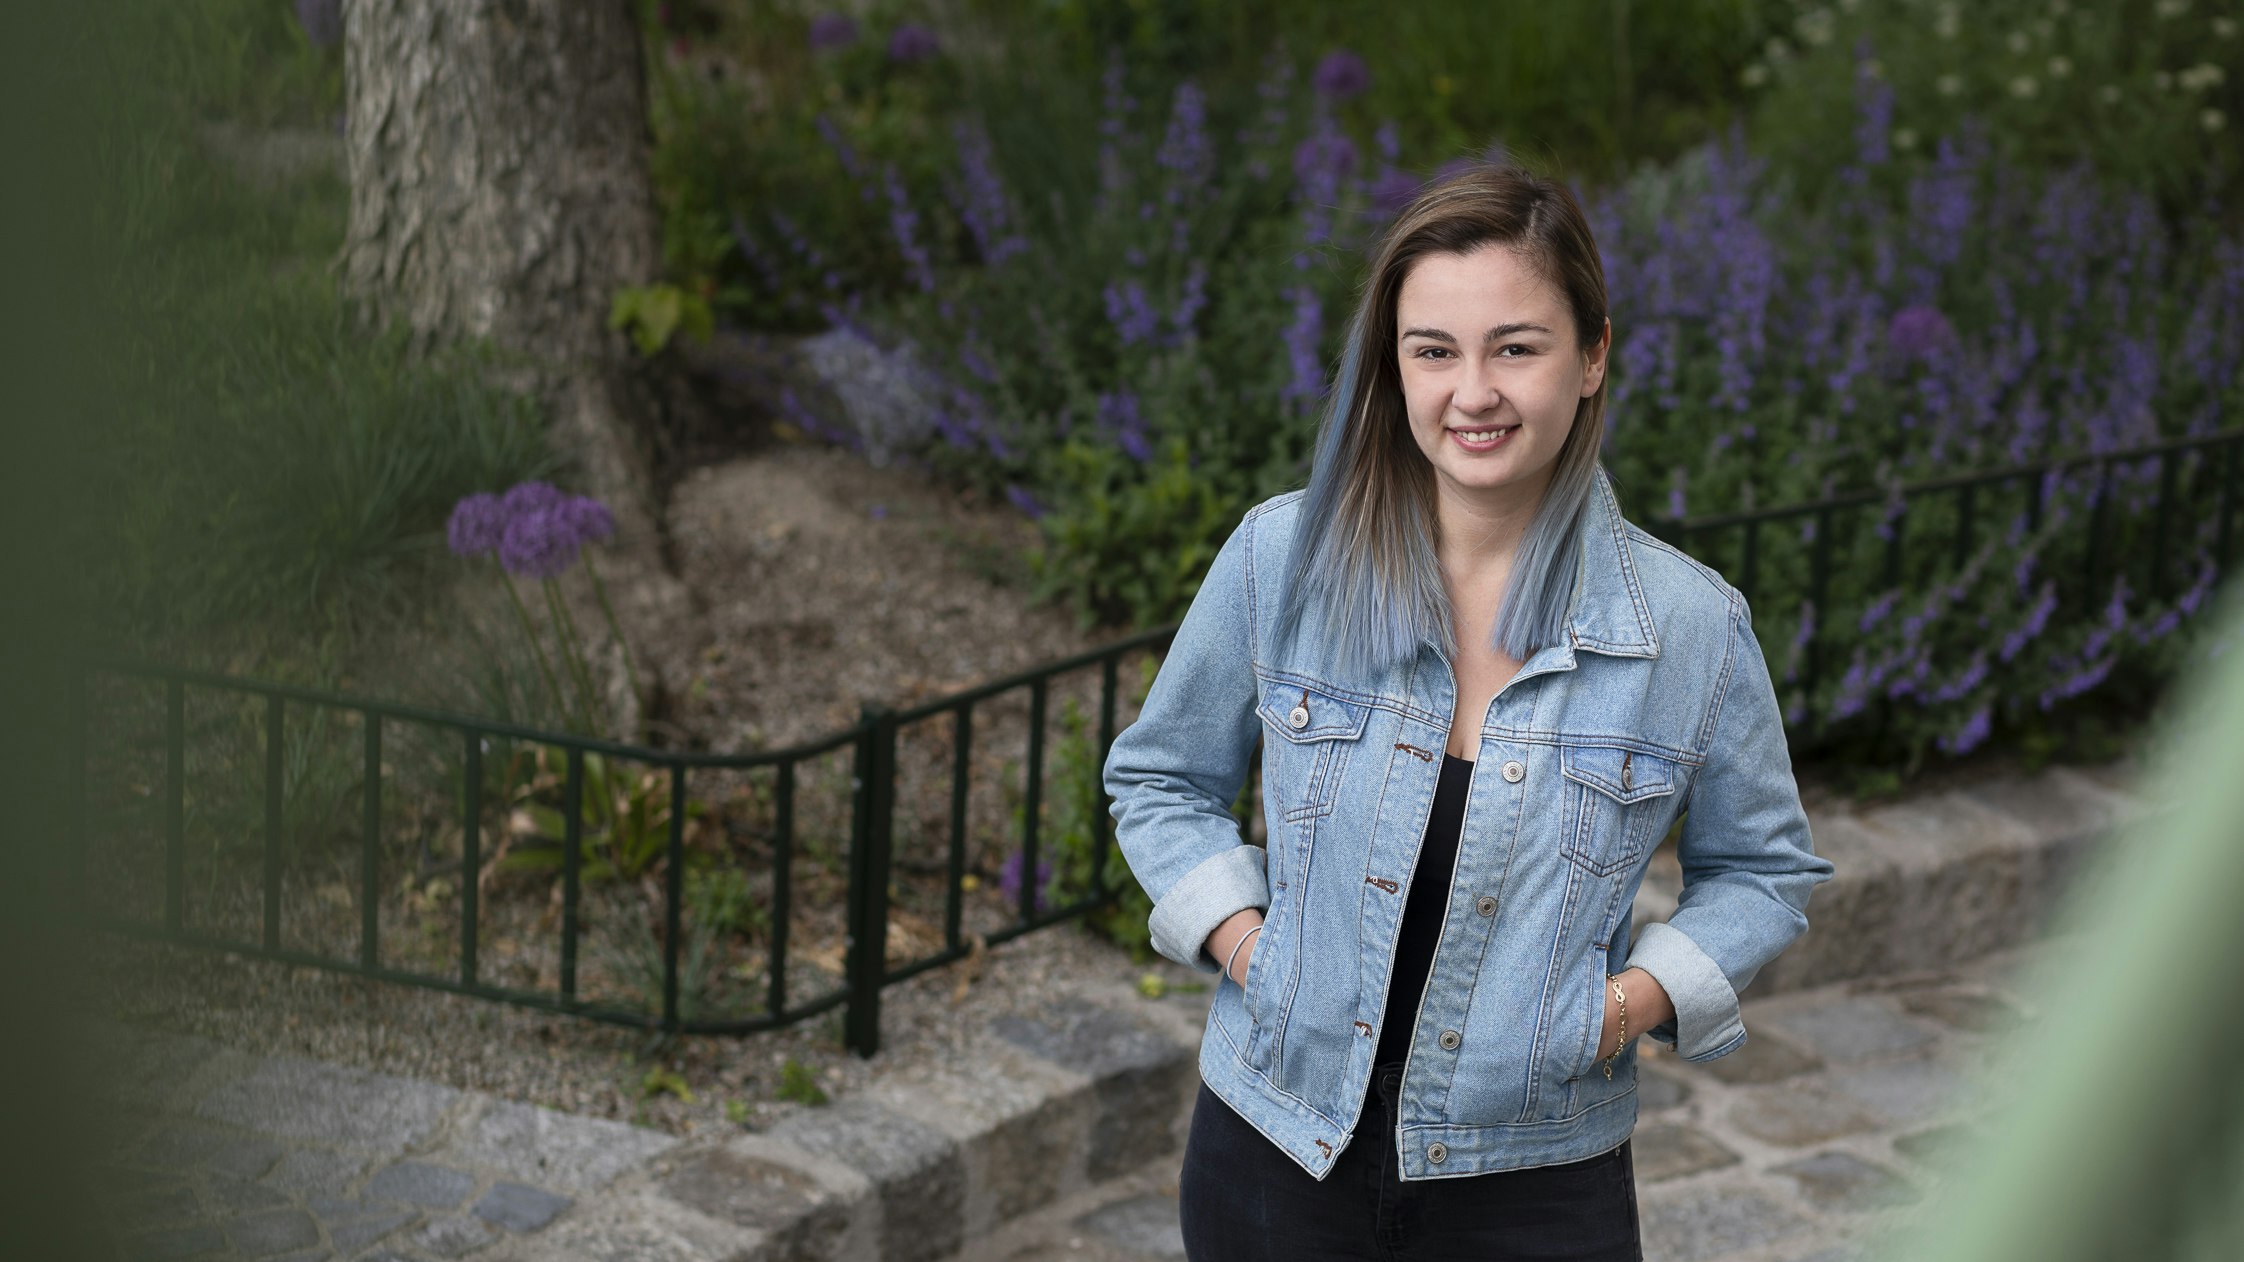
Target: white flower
x,y
1778,50
1947,21
2224,28
2172,8
1950,84
2044,27
1904,138
1815,26
1849,6
2024,86
2201,76
2020,41
2058,8
2211,119
2108,94
2162,81
2060,66
1754,76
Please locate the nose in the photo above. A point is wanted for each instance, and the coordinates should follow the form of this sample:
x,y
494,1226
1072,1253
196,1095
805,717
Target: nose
x,y
1477,392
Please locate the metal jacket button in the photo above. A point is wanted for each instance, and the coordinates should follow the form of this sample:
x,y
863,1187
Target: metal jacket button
x,y
1299,717
1449,1040
1486,905
1437,1152
1514,772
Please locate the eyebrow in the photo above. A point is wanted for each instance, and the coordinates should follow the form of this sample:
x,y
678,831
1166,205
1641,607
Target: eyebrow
x,y
1500,331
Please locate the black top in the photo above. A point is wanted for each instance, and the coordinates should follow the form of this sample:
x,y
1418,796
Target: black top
x,y
1422,911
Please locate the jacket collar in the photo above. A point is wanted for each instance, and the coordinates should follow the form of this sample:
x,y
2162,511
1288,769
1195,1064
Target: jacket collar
x,y
1608,613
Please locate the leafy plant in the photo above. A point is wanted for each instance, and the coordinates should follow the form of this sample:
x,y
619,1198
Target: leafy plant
x,y
799,1084
626,828
652,313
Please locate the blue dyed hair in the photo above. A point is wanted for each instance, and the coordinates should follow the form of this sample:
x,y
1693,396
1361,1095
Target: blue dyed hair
x,y
1363,553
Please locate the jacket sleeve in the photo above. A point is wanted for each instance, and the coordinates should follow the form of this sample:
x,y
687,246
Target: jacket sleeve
x,y
1175,772
1748,862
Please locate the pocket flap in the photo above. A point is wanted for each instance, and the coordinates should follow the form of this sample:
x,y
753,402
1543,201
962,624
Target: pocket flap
x,y
1625,775
1301,712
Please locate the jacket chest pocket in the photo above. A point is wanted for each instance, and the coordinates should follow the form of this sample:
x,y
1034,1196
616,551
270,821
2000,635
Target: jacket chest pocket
x,y
1619,801
1309,734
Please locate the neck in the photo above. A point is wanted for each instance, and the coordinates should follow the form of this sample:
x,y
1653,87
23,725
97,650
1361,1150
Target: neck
x,y
1480,532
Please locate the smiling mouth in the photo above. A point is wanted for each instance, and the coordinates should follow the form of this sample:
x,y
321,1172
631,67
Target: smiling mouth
x,y
1483,437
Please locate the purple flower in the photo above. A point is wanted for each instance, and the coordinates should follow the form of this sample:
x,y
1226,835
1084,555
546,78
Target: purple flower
x,y
587,518
1307,381
904,222
832,30
1393,190
1919,331
477,523
1118,413
322,21
912,42
539,544
1131,313
1020,498
1341,75
1963,739
524,498
1009,878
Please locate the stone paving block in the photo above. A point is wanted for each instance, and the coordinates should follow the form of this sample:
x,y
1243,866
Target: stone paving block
x,y
1142,1076
1905,1092
1850,1027
517,1207
1145,1225
178,1148
317,1172
1935,1144
1764,1057
1970,880
260,1234
1838,1180
1670,1150
307,1255
916,1171
157,1205
544,1148
803,1219
1798,1115
174,1243
330,1104
1976,1011
1657,1091
1850,917
1024,1145
420,1183
243,1198
634,1238
351,1234
142,1069
2058,805
453,1237
1711,1222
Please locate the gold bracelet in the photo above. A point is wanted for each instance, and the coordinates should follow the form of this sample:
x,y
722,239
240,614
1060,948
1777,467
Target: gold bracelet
x,y
1621,996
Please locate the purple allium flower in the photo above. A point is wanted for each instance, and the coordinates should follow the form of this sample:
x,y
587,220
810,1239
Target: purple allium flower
x,y
539,544
322,21
1919,331
586,518
477,523
913,42
832,30
1020,498
524,498
1341,75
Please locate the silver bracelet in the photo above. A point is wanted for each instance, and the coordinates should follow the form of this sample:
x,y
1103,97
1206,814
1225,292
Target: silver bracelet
x,y
1235,950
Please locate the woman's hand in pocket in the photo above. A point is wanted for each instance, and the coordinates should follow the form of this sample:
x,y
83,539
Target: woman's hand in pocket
x,y
1648,1005
1222,944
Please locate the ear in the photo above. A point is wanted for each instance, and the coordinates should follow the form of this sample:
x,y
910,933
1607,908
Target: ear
x,y
1593,362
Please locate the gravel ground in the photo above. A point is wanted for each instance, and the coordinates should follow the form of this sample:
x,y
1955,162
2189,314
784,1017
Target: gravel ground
x,y
578,1066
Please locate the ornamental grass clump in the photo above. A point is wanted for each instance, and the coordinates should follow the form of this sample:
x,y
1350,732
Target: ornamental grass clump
x,y
537,531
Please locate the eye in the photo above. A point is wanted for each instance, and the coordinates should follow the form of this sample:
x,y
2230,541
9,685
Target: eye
x,y
1524,351
1423,351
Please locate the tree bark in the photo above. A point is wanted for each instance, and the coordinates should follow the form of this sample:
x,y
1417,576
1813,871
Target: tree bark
x,y
498,161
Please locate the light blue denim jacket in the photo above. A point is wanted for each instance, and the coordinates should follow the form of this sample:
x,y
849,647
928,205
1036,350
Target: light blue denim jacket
x,y
1659,701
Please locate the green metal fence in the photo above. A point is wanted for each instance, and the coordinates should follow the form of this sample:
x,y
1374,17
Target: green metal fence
x,y
283,728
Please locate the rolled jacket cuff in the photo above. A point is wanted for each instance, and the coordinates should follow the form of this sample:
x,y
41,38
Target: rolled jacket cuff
x,y
1224,885
1707,1023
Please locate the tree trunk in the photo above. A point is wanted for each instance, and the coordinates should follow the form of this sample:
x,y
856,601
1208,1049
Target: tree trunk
x,y
498,158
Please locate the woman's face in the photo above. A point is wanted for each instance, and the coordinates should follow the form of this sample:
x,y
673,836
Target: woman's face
x,y
1491,371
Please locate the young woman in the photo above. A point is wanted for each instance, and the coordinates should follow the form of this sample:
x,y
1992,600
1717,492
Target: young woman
x,y
1482,698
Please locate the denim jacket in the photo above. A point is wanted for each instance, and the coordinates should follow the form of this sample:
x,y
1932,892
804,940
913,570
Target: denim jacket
x,y
1658,702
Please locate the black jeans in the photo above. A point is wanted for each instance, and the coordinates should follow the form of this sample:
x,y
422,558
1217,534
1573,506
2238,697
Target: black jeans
x,y
1242,1199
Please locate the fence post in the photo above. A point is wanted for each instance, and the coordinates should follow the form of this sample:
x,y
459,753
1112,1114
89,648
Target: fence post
x,y
873,791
